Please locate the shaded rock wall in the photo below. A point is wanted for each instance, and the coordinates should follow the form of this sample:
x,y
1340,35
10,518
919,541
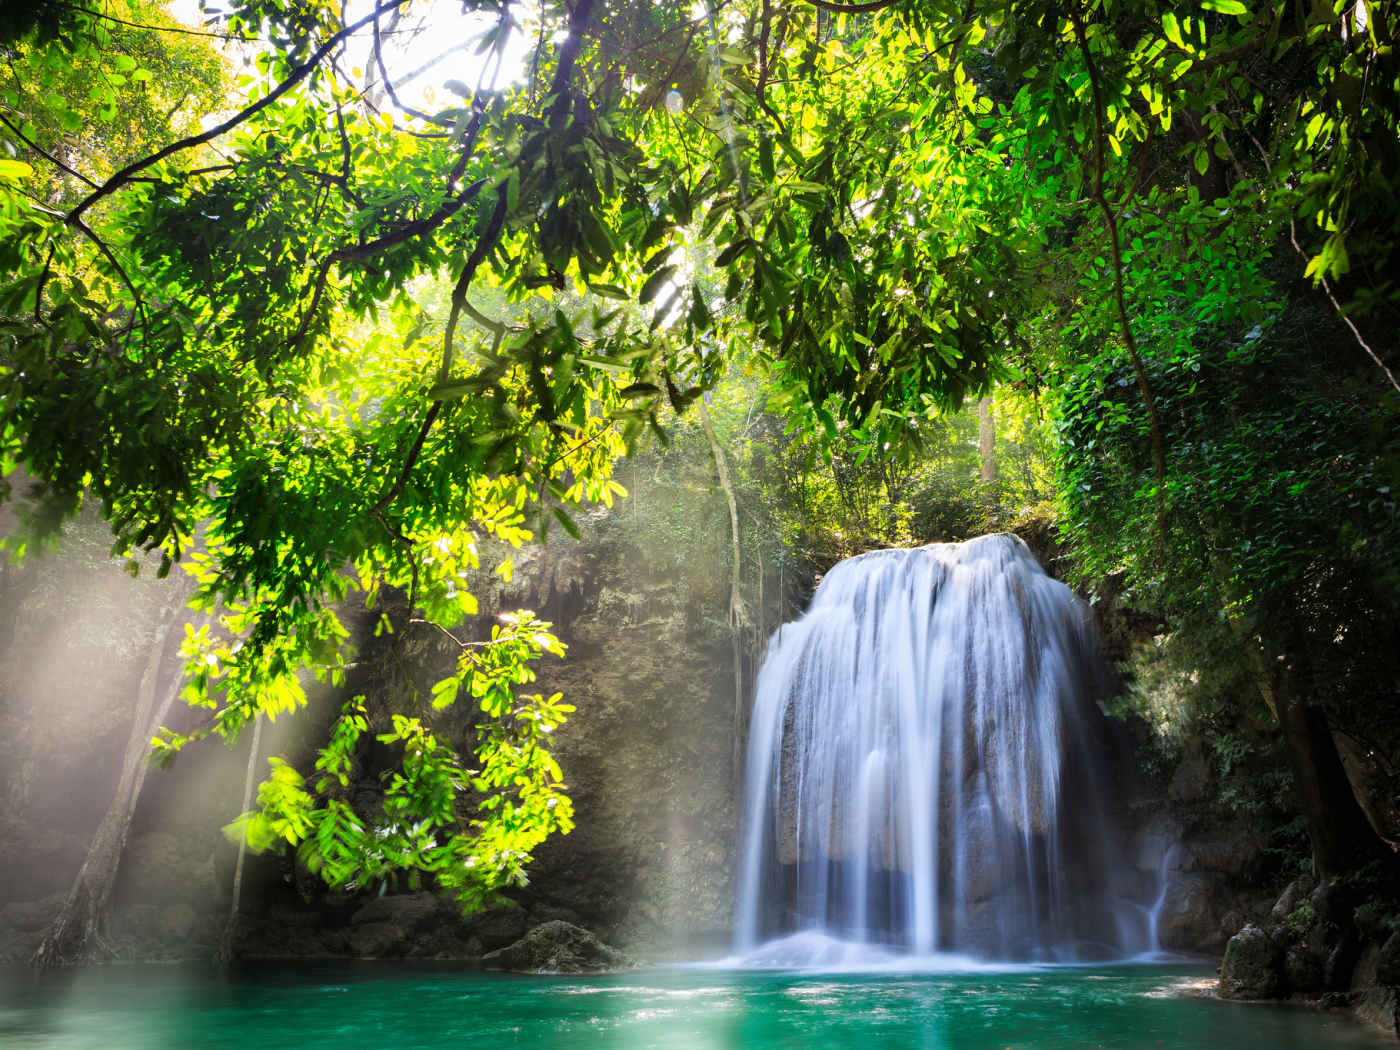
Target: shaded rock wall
x,y
648,758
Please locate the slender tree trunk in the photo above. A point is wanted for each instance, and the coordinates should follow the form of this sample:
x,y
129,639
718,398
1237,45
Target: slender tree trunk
x,y
987,452
782,596
738,618
75,935
762,638
225,951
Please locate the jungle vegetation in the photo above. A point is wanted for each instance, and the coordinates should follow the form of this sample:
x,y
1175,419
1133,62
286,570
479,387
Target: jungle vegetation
x,y
304,336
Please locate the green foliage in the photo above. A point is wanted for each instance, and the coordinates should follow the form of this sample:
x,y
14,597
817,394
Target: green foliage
x,y
517,788
242,361
79,107
1302,920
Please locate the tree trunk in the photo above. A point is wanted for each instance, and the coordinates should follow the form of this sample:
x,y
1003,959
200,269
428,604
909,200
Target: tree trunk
x,y
987,452
1342,838
225,951
738,617
762,638
75,935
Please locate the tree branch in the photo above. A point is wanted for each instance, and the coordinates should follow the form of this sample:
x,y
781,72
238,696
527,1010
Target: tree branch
x,y
389,86
422,226
47,155
1159,455
298,74
851,9
153,29
459,293
1293,235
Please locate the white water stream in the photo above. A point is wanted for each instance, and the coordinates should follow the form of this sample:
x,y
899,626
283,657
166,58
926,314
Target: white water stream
x,y
924,774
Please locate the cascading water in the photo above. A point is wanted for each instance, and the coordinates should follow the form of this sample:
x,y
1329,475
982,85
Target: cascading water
x,y
923,766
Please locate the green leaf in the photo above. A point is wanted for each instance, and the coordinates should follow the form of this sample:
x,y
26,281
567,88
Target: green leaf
x,y
452,389
14,169
607,364
655,283
733,252
1225,7
566,521
609,291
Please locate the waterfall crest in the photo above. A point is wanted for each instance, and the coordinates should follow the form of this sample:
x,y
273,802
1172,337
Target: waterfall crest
x,y
922,771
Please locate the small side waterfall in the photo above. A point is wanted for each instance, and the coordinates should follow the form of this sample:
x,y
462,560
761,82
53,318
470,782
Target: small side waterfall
x,y
924,771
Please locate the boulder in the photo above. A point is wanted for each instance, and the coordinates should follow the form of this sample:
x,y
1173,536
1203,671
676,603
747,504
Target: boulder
x,y
1303,969
178,922
560,947
1194,907
503,925
407,911
31,916
542,913
1388,961
1287,903
374,940
1380,1005
1251,967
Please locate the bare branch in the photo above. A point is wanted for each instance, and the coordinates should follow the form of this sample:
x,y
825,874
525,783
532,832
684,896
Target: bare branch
x,y
389,86
46,155
1327,287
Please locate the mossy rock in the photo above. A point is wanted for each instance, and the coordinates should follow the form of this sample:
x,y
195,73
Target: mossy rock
x,y
560,947
1252,965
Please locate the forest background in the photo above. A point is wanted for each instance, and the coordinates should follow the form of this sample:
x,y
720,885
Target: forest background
x,y
273,319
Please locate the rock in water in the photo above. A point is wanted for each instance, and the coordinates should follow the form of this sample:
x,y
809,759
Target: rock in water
x,y
560,947
1251,966
373,940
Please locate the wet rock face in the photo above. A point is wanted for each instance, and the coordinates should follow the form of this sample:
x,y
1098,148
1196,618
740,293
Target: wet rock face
x,y
1252,966
1192,913
1388,961
409,913
560,947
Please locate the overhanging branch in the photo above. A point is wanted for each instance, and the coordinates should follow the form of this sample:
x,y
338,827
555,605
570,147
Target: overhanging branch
x,y
298,74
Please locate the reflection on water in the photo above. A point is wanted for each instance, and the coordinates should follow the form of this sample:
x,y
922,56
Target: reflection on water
x,y
349,1006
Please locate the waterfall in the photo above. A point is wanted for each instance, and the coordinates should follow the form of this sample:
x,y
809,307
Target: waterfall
x,y
924,768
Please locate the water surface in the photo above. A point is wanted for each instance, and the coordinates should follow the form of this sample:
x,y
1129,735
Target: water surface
x,y
403,1005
